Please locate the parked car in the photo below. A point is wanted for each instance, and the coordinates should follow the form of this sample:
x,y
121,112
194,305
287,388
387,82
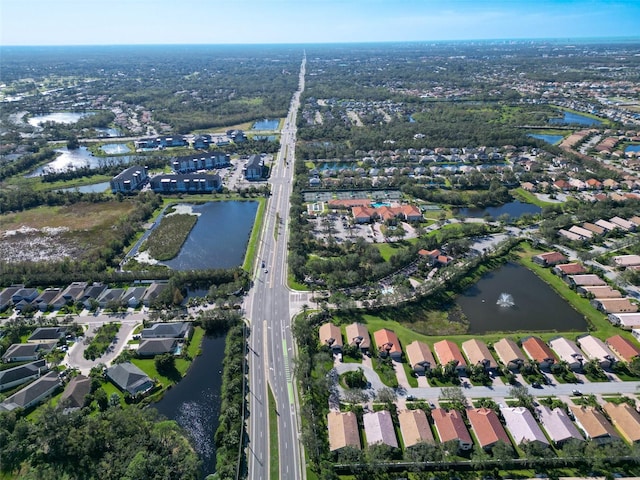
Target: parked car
x,y
577,393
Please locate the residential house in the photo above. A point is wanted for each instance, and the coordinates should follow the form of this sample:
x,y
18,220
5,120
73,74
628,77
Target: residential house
x,y
574,237
133,296
581,232
446,351
567,351
178,330
624,261
33,393
614,305
70,295
110,296
129,378
623,348
626,321
378,427
558,425
388,343
343,430
27,352
24,295
12,377
75,393
186,183
7,294
357,334
523,427
420,357
331,336
129,180
150,347
569,269
45,300
450,426
539,351
487,427
586,280
626,419
478,353
595,229
254,167
549,259
594,425
623,224
595,349
91,294
152,292
608,226
509,353
414,427
47,334
600,292
202,141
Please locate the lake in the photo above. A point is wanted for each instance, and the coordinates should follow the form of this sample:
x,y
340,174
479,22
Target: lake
x,y
115,148
535,305
219,238
575,118
552,139
78,158
513,209
632,148
93,188
266,124
195,401
58,117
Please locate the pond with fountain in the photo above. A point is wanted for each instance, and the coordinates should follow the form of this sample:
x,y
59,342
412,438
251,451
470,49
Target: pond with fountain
x,y
514,299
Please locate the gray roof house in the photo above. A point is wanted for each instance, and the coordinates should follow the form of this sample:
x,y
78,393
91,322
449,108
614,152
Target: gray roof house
x,y
167,330
150,347
6,294
558,425
21,352
152,292
15,376
110,295
129,180
46,298
33,393
133,296
75,392
47,334
92,292
523,427
253,168
129,378
71,294
26,294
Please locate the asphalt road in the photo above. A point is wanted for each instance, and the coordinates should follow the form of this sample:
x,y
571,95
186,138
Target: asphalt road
x,y
268,310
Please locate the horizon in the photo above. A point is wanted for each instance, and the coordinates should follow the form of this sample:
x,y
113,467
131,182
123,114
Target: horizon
x,y
42,23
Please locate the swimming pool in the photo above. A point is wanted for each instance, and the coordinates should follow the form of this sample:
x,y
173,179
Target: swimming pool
x,y
380,204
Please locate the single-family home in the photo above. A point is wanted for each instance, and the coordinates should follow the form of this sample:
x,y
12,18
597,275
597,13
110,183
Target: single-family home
x,y
110,296
133,296
622,348
414,427
150,347
623,224
569,269
588,279
343,430
75,393
419,356
523,427
45,300
33,393
129,378
582,232
614,305
447,351
91,294
478,353
595,229
558,425
26,294
22,352
567,351
549,259
7,294
600,292
167,330
538,351
70,295
378,427
626,321
152,292
357,334
450,426
387,343
594,425
509,353
624,261
487,427
331,336
129,180
608,226
253,168
12,377
595,349
47,334
626,419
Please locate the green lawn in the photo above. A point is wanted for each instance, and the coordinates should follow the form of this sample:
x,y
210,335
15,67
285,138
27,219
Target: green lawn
x,y
249,257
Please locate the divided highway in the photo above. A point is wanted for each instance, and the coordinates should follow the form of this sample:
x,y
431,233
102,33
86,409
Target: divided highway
x,y
271,344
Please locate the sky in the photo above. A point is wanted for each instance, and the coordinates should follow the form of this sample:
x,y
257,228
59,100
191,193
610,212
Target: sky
x,y
132,22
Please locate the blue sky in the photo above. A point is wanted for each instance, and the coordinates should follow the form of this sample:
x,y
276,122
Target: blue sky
x,y
107,22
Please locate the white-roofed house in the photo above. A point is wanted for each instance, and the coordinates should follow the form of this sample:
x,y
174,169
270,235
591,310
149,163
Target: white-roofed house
x,y
595,349
568,352
378,427
523,427
558,425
